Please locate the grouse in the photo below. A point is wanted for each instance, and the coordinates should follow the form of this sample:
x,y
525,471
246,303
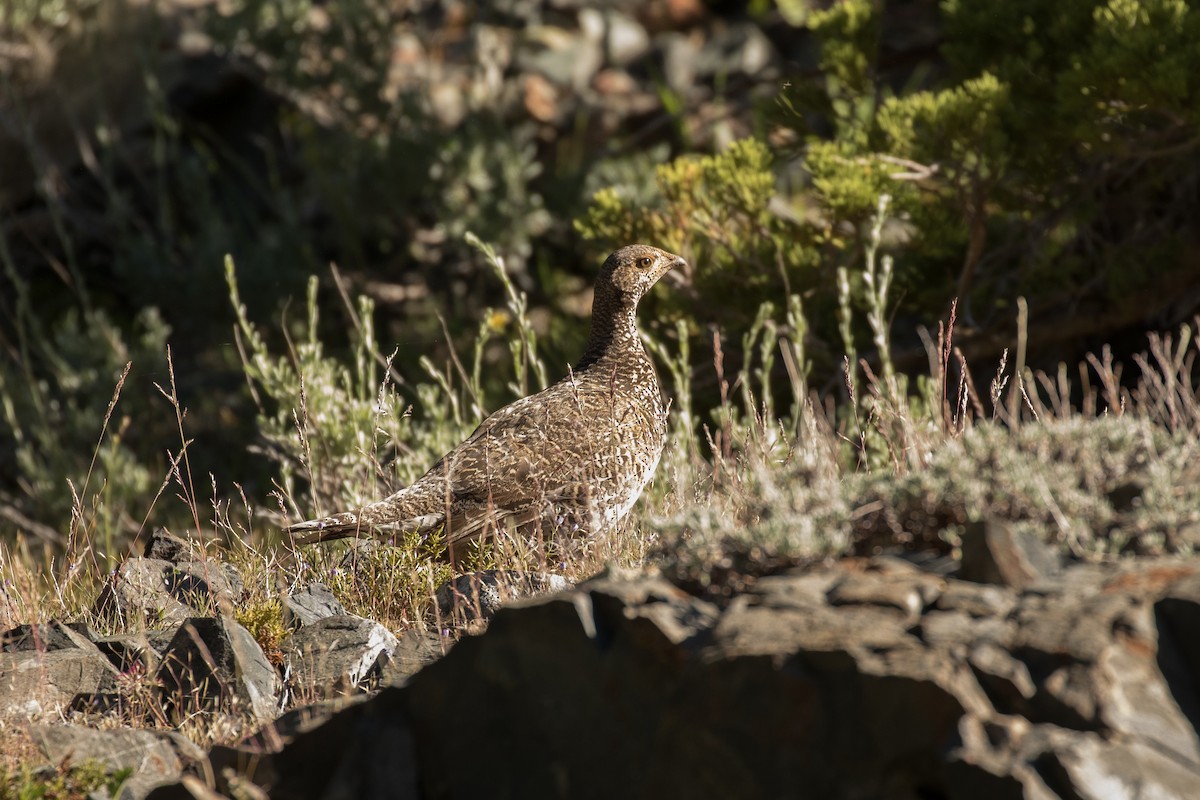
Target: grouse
x,y
574,456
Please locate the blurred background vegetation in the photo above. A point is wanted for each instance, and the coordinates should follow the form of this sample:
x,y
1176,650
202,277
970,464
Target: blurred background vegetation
x,y
836,174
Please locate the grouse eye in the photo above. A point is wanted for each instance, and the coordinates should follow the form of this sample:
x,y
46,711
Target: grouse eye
x,y
645,261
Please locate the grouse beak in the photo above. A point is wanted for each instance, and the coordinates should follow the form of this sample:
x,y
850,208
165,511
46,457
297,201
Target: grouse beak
x,y
676,271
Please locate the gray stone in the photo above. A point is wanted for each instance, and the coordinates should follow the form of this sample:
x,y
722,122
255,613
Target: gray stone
x,y
365,750
67,671
817,679
626,599
621,38
739,49
478,595
313,602
153,592
336,655
415,649
166,546
272,737
978,600
1137,701
564,58
907,593
136,651
796,589
45,637
679,56
1006,680
214,662
156,757
948,628
1087,767
996,552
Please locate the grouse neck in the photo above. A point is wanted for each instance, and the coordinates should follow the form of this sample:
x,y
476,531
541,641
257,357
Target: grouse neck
x,y
614,330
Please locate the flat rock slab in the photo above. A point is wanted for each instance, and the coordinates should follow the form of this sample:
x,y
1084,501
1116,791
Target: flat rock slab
x,y
46,636
156,757
49,668
309,604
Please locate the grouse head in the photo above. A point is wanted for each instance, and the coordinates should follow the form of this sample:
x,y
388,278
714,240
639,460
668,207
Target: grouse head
x,y
631,271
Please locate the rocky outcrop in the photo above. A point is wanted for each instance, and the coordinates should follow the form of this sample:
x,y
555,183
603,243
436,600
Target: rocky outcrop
x,y
863,678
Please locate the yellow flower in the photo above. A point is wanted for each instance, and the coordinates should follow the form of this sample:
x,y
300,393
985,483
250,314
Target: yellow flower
x,y
498,320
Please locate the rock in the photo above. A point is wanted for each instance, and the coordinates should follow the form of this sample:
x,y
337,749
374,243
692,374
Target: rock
x,y
166,546
317,762
1005,679
738,49
136,651
995,552
55,669
679,55
948,628
214,662
153,592
621,38
337,655
478,595
1088,767
563,58
832,678
156,757
306,606
978,600
667,612
415,649
287,726
898,586
45,637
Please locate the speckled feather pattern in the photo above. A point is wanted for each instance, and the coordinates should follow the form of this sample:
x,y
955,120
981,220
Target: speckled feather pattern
x,y
573,457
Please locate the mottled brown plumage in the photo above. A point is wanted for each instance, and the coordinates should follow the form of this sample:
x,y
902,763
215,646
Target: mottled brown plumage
x,y
575,456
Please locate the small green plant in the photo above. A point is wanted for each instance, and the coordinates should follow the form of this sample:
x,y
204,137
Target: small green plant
x,y
75,783
264,620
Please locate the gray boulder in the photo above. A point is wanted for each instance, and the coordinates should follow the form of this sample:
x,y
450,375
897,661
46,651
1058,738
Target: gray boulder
x,y
309,604
156,757
994,551
214,662
336,655
154,592
46,669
